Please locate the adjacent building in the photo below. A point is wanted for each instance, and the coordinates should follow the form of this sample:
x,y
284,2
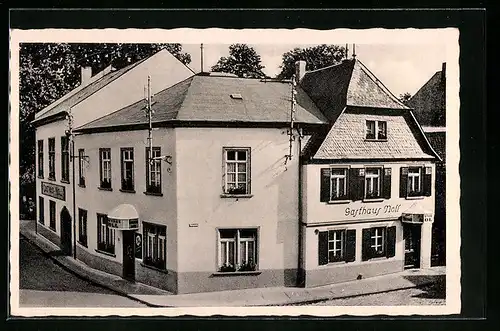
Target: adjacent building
x,y
249,183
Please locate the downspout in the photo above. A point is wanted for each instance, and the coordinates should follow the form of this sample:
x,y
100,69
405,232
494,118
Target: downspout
x,y
300,269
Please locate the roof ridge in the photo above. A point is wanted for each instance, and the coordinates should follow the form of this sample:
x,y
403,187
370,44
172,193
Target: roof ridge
x,y
328,67
384,88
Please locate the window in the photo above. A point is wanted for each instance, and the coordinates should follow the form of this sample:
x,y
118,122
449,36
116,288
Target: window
x,y
237,171
105,168
52,158
82,226
376,130
414,181
153,171
127,155
155,247
338,179
65,159
379,242
81,167
336,246
237,250
41,210
52,215
105,235
372,183
40,158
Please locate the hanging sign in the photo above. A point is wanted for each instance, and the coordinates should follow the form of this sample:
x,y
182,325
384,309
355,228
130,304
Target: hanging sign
x,y
138,245
123,224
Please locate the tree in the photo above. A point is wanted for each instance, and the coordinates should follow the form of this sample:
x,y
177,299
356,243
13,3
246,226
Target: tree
x,y
316,57
243,61
50,70
405,97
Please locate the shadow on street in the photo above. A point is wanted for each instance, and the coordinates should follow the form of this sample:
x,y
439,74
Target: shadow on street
x,y
436,290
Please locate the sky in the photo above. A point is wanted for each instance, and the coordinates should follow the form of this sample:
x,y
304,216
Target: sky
x,y
402,68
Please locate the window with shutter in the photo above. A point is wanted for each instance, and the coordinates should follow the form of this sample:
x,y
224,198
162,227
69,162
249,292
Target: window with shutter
x,y
350,246
427,181
391,242
323,247
403,182
386,190
325,185
366,249
356,184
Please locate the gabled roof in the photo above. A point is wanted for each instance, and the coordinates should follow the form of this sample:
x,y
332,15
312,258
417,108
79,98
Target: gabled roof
x,y
208,98
80,93
349,83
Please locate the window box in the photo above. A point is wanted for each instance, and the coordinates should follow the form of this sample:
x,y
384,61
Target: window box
x,y
65,181
237,196
105,188
127,191
154,194
239,273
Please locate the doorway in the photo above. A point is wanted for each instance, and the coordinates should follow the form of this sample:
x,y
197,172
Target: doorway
x,y
65,218
411,236
129,255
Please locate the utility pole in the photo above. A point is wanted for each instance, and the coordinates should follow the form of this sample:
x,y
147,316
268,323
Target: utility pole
x,y
149,111
201,51
72,159
292,118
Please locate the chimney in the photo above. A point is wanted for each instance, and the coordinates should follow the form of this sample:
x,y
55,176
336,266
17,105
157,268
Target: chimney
x,y
443,72
300,70
86,74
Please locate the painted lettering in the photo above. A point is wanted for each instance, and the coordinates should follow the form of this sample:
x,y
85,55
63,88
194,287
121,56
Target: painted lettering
x,y
375,211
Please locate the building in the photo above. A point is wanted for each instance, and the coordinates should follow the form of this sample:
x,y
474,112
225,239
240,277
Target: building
x,y
241,192
429,104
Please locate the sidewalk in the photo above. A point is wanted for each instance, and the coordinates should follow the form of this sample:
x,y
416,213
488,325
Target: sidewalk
x,y
274,296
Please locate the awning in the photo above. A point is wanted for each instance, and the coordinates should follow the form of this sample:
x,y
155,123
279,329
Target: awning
x,y
417,214
124,217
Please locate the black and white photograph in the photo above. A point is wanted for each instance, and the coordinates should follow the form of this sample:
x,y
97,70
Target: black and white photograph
x,y
202,171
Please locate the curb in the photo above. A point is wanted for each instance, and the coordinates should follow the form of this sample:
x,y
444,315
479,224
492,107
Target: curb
x,y
86,278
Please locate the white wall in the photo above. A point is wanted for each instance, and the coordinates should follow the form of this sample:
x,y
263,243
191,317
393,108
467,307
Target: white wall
x,y
273,208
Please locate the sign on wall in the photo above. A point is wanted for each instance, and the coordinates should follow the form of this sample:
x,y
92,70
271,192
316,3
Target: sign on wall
x,y
120,224
138,245
54,190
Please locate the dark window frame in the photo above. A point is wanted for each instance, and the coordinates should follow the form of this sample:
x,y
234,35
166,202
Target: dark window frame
x,y
105,244
52,214
81,167
40,158
41,210
105,183
65,159
127,184
52,158
151,188
82,226
150,255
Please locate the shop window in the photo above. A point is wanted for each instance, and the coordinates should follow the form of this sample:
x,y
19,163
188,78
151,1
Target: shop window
x,y
81,167
105,168
153,171
155,240
82,226
105,235
376,130
40,158
379,242
237,250
52,215
415,181
41,210
52,158
236,171
65,159
127,160
336,246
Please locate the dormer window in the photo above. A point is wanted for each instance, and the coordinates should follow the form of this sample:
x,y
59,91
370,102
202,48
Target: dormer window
x,y
376,130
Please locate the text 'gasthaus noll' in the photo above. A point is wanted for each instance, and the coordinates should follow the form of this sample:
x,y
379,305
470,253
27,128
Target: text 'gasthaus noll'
x,y
375,211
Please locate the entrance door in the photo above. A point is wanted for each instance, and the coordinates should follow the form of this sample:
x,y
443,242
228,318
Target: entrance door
x,y
411,235
128,255
66,231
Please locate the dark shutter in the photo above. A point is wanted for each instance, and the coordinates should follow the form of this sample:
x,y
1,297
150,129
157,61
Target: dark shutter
x,y
366,249
325,185
391,241
427,186
386,190
323,248
356,184
403,182
350,246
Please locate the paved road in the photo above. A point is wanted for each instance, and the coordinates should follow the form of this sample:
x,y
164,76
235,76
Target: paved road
x,y
45,284
425,296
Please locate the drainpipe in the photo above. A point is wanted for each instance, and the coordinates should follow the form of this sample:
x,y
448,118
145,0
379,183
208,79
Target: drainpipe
x,y
300,271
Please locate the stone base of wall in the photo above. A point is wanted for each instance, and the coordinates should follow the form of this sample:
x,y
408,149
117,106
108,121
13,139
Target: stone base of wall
x,y
99,263
49,235
349,272
194,282
165,280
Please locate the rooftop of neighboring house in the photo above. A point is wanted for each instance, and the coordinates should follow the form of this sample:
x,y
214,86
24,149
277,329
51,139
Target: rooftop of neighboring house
x,y
429,103
213,98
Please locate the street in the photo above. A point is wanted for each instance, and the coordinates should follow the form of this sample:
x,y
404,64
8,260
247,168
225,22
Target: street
x,y
45,284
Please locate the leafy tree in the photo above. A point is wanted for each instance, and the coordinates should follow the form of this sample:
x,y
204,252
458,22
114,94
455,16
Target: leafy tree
x,y
243,61
316,57
405,97
50,70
